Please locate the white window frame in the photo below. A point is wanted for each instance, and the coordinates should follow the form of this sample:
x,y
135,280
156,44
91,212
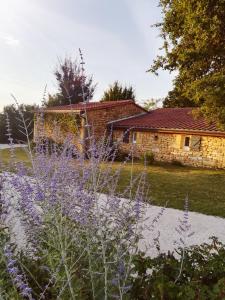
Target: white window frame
x,y
134,137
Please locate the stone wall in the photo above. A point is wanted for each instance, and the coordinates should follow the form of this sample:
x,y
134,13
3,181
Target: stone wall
x,y
203,151
99,118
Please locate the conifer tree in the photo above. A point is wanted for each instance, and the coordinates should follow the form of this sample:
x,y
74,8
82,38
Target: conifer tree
x,y
117,92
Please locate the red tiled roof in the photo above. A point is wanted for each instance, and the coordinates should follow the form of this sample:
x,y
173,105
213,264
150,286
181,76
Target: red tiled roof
x,y
169,119
89,106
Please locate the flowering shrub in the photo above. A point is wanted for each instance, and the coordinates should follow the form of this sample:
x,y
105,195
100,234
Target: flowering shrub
x,y
64,238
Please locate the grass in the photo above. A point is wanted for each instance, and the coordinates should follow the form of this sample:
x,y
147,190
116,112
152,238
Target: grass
x,y
20,155
170,184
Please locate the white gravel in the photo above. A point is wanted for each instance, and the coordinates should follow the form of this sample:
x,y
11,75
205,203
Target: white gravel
x,y
202,228
6,146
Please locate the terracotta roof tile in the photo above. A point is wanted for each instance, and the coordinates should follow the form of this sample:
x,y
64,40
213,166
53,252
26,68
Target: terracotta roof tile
x,y
89,106
168,119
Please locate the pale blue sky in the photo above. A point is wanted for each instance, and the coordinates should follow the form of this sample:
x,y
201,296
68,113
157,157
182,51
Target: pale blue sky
x,y
115,35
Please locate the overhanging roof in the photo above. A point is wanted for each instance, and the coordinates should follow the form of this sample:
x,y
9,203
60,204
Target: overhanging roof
x,y
170,120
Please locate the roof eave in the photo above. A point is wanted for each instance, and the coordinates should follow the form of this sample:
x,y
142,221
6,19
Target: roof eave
x,y
61,111
173,131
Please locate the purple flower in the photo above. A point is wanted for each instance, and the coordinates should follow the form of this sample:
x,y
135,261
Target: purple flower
x,y
18,278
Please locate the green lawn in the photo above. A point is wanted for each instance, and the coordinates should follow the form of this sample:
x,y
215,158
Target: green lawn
x,y
20,155
206,188
171,184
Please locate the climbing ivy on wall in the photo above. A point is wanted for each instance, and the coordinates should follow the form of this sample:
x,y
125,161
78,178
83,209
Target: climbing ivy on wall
x,y
67,122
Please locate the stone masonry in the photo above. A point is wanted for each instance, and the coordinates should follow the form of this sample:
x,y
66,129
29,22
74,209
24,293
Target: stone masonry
x,y
169,147
99,118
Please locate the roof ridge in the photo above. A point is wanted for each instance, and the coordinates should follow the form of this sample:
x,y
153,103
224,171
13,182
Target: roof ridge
x,y
97,103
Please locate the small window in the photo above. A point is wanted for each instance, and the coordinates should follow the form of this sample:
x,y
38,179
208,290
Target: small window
x,y
134,138
126,137
187,141
156,137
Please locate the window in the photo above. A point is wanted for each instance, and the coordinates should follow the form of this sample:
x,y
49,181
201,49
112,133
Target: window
x,y
187,142
126,137
156,137
134,138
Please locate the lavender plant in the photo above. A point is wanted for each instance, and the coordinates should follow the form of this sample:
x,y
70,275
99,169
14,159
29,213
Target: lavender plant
x,y
73,236
84,238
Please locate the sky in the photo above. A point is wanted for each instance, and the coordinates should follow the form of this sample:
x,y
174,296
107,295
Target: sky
x,y
115,36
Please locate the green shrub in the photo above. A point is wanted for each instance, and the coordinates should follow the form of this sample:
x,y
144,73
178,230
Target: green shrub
x,y
203,275
121,156
178,163
148,158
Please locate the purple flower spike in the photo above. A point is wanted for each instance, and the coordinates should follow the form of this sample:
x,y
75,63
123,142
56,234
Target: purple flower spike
x,y
18,279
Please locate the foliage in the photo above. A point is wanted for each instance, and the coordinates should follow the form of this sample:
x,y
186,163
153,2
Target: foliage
x,y
194,45
203,275
175,99
13,113
121,156
72,84
152,103
3,137
117,92
68,123
148,158
176,162
7,291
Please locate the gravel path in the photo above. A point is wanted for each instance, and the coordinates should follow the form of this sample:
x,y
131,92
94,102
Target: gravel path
x,y
202,227
6,146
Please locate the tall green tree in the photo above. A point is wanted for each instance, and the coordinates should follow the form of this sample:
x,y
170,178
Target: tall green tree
x,y
16,124
72,83
194,46
117,91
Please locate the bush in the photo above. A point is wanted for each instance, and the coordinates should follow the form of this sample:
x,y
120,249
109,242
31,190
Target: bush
x,y
203,275
121,156
148,158
72,242
177,163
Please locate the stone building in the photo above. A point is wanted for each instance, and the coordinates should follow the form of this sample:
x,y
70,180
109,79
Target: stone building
x,y
71,120
172,134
